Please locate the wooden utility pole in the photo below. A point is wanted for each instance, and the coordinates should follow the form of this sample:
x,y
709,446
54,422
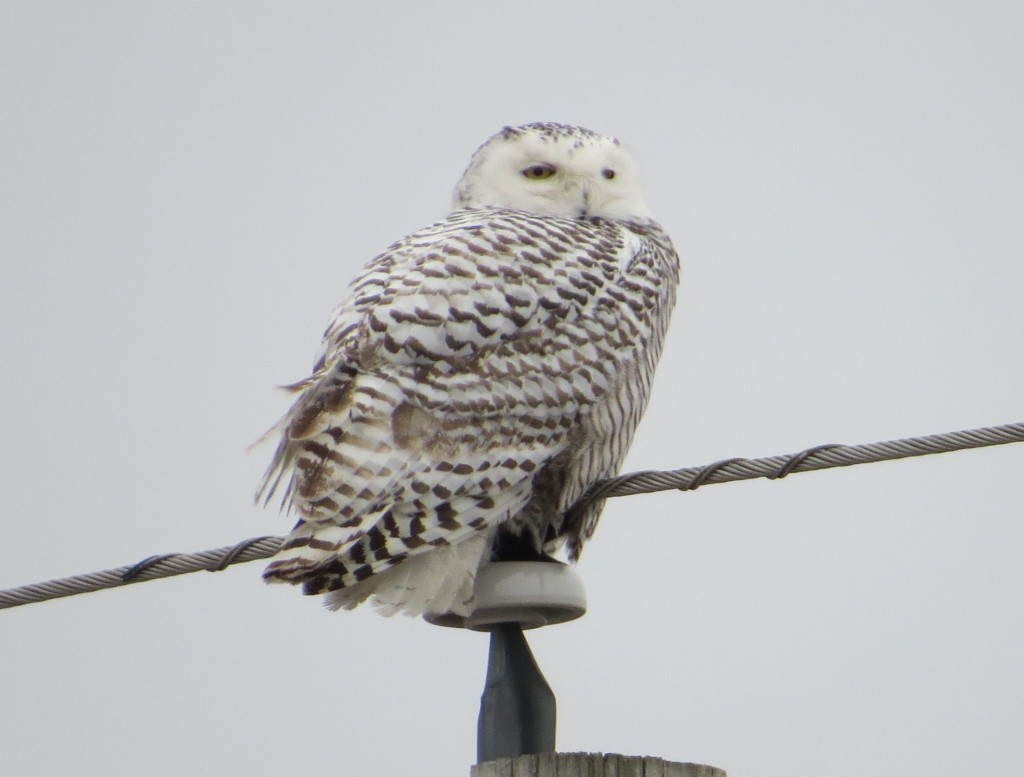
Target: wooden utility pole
x,y
590,765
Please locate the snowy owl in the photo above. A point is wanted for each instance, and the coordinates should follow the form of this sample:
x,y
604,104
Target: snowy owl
x,y
476,378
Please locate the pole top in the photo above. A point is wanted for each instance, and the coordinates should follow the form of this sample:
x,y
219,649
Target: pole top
x,y
528,593
597,764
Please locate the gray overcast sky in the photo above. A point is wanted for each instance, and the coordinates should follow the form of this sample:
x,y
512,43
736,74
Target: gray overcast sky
x,y
185,190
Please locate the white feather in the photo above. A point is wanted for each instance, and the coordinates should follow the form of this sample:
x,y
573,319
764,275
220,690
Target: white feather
x,y
439,581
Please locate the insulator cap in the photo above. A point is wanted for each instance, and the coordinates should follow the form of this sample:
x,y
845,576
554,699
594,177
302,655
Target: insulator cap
x,y
529,593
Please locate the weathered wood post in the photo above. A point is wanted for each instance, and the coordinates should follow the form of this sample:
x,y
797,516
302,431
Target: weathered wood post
x,y
590,765
516,728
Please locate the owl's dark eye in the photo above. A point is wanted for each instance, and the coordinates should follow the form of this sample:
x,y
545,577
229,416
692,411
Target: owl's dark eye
x,y
608,173
539,172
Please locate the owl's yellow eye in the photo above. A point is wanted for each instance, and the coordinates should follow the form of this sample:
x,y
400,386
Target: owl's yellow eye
x,y
539,172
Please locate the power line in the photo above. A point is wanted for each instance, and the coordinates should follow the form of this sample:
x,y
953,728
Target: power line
x,y
166,565
688,479
818,457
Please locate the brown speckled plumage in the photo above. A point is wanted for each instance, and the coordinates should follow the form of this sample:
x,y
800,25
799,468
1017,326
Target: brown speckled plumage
x,y
480,372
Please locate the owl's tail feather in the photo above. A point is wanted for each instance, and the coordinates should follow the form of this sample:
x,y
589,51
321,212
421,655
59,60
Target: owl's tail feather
x,y
439,581
307,548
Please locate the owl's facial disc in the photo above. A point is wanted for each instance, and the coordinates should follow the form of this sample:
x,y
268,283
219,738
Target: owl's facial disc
x,y
553,170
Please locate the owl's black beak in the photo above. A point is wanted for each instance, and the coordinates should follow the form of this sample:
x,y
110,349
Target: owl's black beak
x,y
585,197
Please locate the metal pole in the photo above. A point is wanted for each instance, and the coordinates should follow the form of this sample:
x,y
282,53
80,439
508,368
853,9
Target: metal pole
x,y
517,708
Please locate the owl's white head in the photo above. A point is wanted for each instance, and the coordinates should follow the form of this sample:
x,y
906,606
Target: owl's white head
x,y
553,170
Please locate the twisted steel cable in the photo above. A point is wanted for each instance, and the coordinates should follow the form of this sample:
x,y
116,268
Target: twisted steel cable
x,y
688,479
818,457
166,565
